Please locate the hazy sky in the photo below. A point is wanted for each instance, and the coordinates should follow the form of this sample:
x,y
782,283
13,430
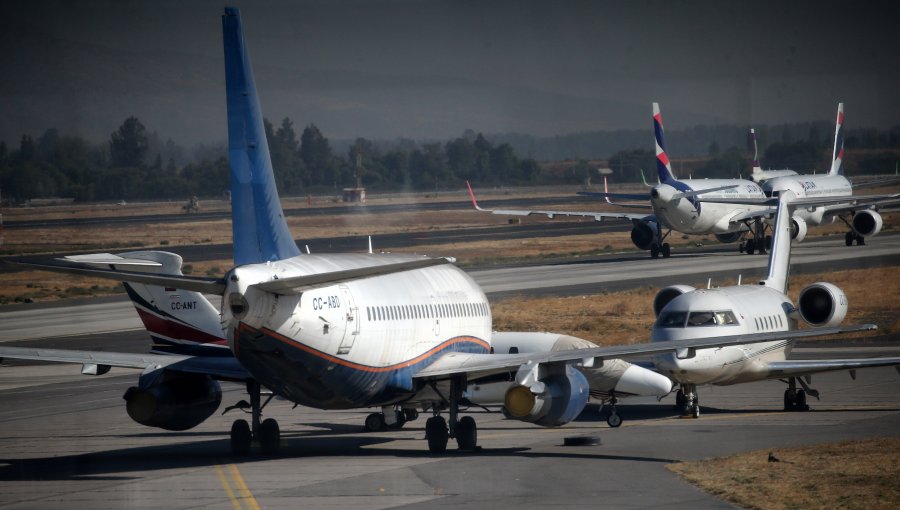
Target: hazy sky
x,y
388,68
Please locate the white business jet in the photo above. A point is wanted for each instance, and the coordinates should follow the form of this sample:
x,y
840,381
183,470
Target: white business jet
x,y
684,312
336,331
676,206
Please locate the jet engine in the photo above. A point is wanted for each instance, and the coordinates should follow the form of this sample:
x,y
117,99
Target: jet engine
x,y
664,296
176,402
798,229
867,223
822,304
554,400
645,233
729,237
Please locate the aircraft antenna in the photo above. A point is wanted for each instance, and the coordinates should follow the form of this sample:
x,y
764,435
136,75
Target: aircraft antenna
x,y
709,283
739,280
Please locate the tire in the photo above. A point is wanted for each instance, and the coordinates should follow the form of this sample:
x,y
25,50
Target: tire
x,y
411,414
788,401
466,433
860,241
801,401
666,250
680,400
695,412
848,238
751,245
437,434
614,420
768,242
269,436
374,422
654,251
241,437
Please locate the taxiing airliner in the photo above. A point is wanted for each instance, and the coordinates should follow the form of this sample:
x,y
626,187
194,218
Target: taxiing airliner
x,y
684,312
335,331
677,206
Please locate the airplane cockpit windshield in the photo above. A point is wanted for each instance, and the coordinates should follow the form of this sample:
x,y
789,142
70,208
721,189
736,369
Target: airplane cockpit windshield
x,y
675,319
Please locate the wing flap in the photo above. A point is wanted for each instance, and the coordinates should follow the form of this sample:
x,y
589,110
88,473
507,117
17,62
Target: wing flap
x,y
794,368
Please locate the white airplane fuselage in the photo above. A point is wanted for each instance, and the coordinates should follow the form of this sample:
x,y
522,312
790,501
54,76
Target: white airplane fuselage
x,y
724,311
353,344
689,216
810,186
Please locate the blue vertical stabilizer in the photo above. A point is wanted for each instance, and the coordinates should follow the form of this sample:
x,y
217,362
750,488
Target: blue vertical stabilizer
x,y
258,224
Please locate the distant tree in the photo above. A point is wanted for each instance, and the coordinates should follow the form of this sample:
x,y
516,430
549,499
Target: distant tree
x,y
317,156
128,145
461,157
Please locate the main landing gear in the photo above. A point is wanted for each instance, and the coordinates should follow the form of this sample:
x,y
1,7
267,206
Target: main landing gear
x,y
614,420
438,432
661,248
687,401
759,241
851,236
266,433
795,399
389,417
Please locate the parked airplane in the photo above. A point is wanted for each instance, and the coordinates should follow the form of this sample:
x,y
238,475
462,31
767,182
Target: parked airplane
x,y
336,331
684,312
677,207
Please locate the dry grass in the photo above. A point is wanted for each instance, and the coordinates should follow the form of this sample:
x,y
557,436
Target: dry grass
x,y
852,475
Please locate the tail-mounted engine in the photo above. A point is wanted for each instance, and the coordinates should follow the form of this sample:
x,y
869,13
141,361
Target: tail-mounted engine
x,y
174,401
664,296
822,304
798,229
645,233
554,400
867,223
729,237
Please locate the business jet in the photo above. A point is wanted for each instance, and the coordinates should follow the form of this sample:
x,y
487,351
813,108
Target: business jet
x,y
336,331
685,312
677,207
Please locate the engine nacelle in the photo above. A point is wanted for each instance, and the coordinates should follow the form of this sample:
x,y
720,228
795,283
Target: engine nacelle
x,y
729,237
644,234
555,400
867,223
798,229
664,296
822,304
178,402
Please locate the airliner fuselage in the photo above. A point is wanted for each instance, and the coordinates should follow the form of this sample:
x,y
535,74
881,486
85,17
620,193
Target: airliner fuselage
x,y
690,216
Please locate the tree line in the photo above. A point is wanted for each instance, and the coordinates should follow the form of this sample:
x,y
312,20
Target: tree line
x,y
136,164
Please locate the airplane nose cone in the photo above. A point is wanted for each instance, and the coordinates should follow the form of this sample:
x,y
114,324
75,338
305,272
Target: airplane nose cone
x,y
640,381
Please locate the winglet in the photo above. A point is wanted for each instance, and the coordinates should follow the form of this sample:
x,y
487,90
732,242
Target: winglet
x,y
756,167
663,166
258,225
837,157
472,194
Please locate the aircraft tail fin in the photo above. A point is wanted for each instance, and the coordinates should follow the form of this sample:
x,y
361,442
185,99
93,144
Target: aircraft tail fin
x,y
663,166
837,158
780,254
258,224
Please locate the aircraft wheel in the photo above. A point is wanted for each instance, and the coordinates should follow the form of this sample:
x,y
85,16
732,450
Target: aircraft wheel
x,y
269,436
374,422
466,433
751,245
860,240
801,401
768,242
437,434
654,251
680,400
695,412
789,400
401,420
848,239
614,420
666,250
411,414
241,437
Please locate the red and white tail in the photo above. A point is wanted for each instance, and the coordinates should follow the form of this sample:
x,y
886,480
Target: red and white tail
x,y
837,158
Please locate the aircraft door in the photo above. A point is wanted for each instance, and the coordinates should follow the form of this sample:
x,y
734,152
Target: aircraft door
x,y
351,320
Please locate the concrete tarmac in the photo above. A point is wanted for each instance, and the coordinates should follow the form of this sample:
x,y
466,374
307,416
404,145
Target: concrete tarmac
x,y
68,443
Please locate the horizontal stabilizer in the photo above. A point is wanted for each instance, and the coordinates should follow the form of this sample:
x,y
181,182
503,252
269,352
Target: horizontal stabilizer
x,y
194,283
297,284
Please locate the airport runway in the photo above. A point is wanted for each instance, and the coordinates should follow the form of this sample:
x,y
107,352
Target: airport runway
x,y
585,276
67,443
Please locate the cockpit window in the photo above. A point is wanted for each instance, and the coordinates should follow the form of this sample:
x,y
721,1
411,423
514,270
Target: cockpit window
x,y
671,320
720,318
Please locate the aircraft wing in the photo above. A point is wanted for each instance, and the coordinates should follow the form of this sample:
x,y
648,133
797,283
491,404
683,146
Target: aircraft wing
x,y
795,368
750,215
848,202
606,195
482,365
98,362
597,216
